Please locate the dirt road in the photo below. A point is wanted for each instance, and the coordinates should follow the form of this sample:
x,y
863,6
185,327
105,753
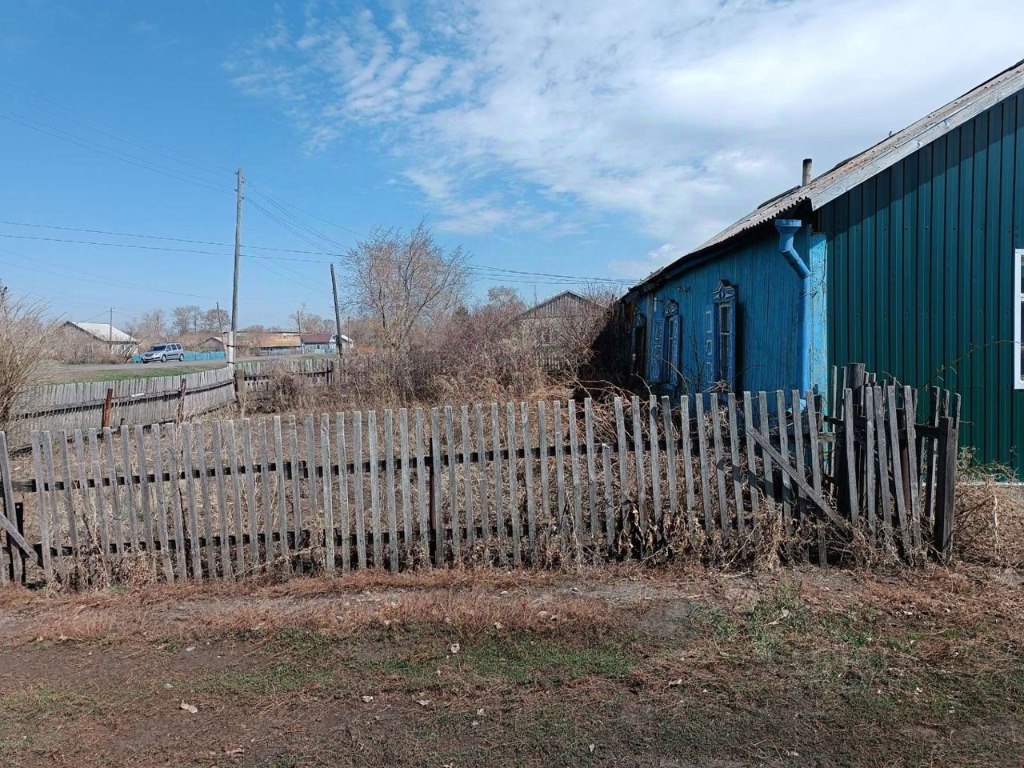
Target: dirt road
x,y
54,373
803,668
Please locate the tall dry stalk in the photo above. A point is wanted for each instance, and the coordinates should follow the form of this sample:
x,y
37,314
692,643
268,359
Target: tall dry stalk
x,y
24,341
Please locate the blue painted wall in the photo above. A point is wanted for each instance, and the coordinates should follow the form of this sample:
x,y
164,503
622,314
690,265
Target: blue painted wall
x,y
767,354
191,356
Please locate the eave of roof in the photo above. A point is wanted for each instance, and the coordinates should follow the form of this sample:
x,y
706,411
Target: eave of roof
x,y
849,173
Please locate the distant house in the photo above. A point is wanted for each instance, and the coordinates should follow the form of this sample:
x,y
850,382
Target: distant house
x,y
273,342
83,342
212,344
908,257
324,343
557,321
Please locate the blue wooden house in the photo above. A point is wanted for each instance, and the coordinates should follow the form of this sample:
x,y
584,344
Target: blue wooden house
x,y
908,257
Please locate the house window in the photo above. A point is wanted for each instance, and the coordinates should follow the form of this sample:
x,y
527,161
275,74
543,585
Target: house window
x,y
1018,319
640,345
724,335
670,345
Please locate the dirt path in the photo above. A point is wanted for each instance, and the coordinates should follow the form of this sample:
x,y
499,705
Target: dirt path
x,y
822,668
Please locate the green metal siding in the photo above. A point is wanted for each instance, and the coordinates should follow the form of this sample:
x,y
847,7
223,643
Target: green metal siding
x,y
921,273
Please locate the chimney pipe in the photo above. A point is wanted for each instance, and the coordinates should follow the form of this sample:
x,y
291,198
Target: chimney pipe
x,y
807,172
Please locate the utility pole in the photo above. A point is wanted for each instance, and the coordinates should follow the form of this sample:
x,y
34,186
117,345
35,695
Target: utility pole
x,y
337,313
110,331
238,258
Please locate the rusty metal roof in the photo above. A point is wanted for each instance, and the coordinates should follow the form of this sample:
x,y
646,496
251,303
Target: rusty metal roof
x,y
886,153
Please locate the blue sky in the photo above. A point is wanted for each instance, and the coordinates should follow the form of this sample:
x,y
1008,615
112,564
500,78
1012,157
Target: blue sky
x,y
569,137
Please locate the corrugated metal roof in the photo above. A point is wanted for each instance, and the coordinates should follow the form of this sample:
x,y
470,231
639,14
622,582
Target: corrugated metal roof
x,y
104,332
851,172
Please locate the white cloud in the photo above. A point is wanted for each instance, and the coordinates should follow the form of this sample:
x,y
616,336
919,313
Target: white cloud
x,y
680,115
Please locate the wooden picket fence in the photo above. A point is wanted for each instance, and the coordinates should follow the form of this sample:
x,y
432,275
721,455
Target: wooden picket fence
x,y
518,485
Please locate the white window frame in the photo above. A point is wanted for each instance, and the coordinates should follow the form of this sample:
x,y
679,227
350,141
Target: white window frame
x,y
1018,312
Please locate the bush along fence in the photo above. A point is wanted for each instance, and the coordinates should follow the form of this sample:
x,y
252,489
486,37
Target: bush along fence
x,y
519,484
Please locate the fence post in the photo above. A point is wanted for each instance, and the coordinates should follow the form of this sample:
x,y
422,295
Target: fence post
x,y
108,408
945,487
180,415
239,375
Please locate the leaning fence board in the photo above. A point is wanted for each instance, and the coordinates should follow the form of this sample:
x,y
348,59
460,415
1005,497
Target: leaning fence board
x,y
909,411
236,498
748,422
882,445
250,490
609,497
764,425
670,457
204,487
902,510
268,498
345,524
718,461
161,503
117,527
638,454
56,539
734,456
815,458
870,491
133,531
42,510
96,482
69,497
787,489
850,458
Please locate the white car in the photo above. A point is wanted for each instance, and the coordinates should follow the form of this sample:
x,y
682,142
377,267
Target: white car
x,y
161,353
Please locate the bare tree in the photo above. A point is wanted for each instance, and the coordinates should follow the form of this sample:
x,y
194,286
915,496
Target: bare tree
x,y
404,283
309,322
151,326
216,320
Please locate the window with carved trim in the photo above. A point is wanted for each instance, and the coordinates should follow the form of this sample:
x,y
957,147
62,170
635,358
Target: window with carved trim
x,y
723,337
670,345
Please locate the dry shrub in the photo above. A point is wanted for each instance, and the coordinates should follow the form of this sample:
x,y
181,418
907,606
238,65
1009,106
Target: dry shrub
x,y
988,515
24,341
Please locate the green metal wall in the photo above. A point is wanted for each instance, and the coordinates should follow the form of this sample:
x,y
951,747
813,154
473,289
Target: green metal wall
x,y
921,273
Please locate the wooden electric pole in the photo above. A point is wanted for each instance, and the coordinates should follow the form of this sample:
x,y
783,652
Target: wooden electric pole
x,y
238,258
337,313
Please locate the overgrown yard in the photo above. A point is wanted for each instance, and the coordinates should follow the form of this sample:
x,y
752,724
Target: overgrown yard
x,y
623,667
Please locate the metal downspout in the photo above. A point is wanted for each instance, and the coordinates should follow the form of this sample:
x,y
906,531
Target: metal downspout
x,y
787,229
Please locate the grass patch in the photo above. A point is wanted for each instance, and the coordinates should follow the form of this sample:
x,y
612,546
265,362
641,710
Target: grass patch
x,y
523,660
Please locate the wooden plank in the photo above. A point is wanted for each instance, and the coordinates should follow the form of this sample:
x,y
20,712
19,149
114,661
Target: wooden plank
x,y
621,451
513,485
499,491
902,511
405,480
435,486
531,508
764,441
946,484
705,473
180,559
42,506
870,491
734,457
453,483
360,520
226,569
160,508
199,437
672,466
236,498
764,424
190,490
467,478
116,516
574,465
56,536
558,438
814,448
652,427
133,530
850,459
588,424
421,486
374,458
346,529
542,451
96,482
882,446
481,449
638,456
266,458
250,493
328,498
686,439
748,422
609,497
389,487
787,486
311,492
718,459
69,500
914,480
144,498
293,444
929,446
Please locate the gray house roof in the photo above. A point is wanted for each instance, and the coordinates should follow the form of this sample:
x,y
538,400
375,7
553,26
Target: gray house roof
x,y
104,332
886,153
